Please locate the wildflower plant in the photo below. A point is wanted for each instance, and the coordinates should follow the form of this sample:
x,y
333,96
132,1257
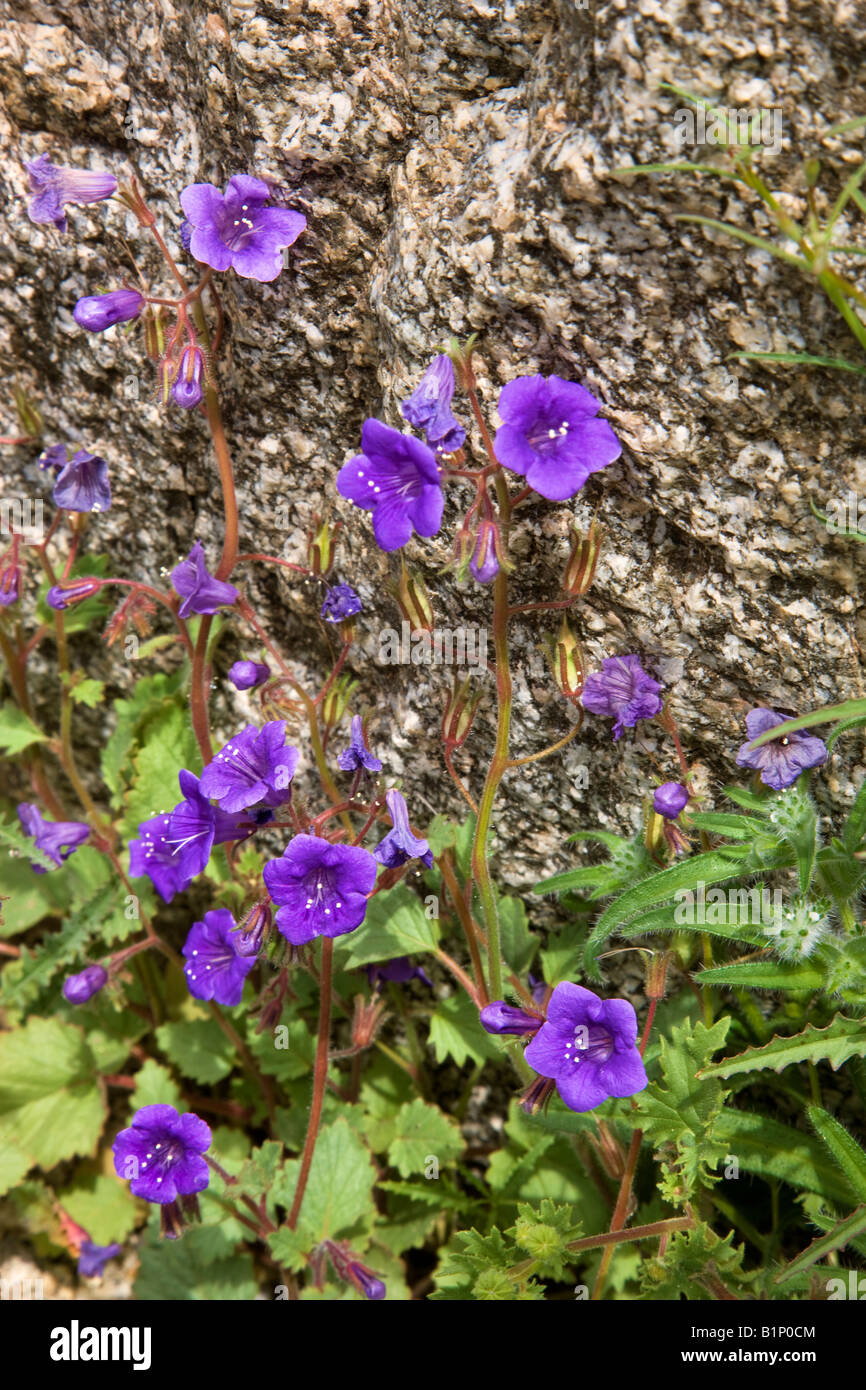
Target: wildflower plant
x,y
241,955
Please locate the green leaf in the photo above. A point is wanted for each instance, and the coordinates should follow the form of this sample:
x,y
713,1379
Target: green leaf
x,y
836,1239
175,1271
560,957
339,1195
395,925
168,746
16,730
289,1249
154,1085
761,974
88,692
103,1206
518,943
748,237
456,1032
422,1132
198,1048
52,1106
855,825
798,359
844,1148
841,1039
770,1149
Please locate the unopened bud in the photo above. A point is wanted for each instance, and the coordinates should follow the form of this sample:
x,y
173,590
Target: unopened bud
x,y
459,713
366,1021
583,560
322,546
413,601
61,596
566,660
253,931
610,1151
657,973
336,702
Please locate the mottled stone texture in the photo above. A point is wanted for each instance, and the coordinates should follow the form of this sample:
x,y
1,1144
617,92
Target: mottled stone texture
x,y
453,160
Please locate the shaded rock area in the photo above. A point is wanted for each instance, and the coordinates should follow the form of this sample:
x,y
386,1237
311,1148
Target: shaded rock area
x,y
454,162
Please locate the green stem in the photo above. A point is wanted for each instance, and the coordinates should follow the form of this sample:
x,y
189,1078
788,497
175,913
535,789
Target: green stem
x,y
320,1078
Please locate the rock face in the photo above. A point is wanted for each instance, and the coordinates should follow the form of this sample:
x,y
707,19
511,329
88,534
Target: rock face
x,y
454,163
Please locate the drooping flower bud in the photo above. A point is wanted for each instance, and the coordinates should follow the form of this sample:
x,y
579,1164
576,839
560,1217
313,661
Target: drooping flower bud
x,y
413,600
187,390
71,591
484,565
253,930
583,560
566,660
500,1017
77,989
347,1266
459,713
97,312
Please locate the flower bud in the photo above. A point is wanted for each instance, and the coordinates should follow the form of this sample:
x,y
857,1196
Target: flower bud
x,y
77,989
610,1151
500,1017
100,311
566,660
336,702
484,565
459,713
366,1022
583,560
321,548
413,600
248,675
669,799
253,930
656,973
187,390
62,596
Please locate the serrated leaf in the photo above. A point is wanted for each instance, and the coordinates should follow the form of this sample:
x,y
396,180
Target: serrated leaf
x,y
88,692
339,1193
16,730
168,746
176,1271
198,1048
771,1149
289,1248
455,1031
421,1131
395,925
154,1085
844,1148
836,1239
763,975
841,1039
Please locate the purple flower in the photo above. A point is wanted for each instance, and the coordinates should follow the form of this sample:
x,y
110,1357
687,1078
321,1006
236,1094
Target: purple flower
x,y
201,593
588,1047
10,577
670,798
236,229
71,591
500,1017
187,390
54,457
400,845
56,838
255,767
370,1285
341,602
175,846
484,565
185,234
397,478
97,312
321,889
400,971
623,691
246,675
551,434
54,185
82,484
780,761
214,969
429,407
358,754
77,989
92,1259
162,1154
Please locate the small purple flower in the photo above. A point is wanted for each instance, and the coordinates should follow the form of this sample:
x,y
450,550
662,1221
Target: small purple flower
x,y
358,755
54,185
92,1259
254,768
670,798
396,478
236,229
77,989
780,761
214,969
370,1285
247,675
623,691
551,434
187,390
56,838
175,846
161,1152
54,457
341,602
500,1017
429,407
320,889
484,565
97,312
400,845
588,1047
72,591
400,971
193,582
82,484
